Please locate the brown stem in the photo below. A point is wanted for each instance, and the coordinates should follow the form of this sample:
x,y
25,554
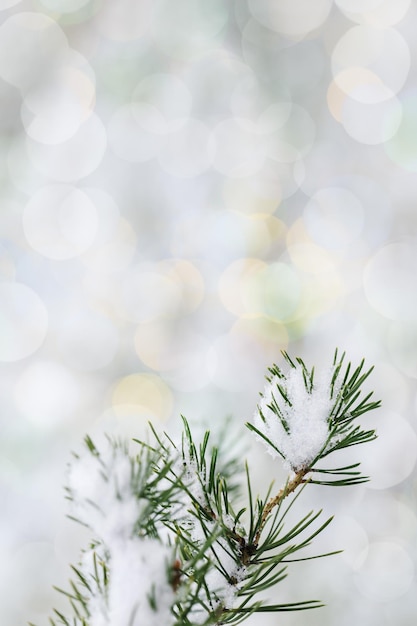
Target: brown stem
x,y
276,500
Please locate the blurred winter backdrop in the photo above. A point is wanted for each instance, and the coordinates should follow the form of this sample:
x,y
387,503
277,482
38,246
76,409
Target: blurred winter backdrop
x,y
188,187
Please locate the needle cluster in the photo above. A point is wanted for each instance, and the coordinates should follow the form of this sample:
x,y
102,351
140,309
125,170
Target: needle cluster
x,y
169,545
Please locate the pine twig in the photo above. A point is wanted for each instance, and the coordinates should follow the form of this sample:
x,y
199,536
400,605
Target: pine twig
x,y
276,500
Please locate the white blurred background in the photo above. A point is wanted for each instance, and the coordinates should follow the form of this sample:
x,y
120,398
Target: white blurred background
x,y
188,187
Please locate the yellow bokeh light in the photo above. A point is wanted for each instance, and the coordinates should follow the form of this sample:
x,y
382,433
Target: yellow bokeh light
x,y
142,394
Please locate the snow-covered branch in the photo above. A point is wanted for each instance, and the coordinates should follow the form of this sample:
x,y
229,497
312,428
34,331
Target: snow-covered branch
x,y
168,543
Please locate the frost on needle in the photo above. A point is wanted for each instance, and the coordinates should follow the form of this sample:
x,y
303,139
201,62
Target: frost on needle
x,y
303,416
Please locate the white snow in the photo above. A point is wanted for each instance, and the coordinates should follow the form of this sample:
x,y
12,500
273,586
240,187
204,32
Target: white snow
x,y
307,416
103,498
192,478
138,569
216,580
224,567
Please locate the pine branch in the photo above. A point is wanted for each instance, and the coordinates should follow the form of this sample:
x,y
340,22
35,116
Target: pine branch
x,y
165,522
276,500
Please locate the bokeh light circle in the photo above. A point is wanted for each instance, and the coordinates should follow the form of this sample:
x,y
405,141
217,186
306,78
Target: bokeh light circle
x,y
124,21
74,159
146,396
320,281
278,291
294,139
46,393
112,251
188,151
22,175
247,99
33,567
213,80
388,514
355,540
389,281
6,4
311,258
357,6
234,361
134,132
237,285
382,51
188,279
24,321
148,293
253,287
303,66
334,217
54,108
239,149
223,231
392,387
108,214
379,13
378,215
180,354
205,20
274,117
259,193
60,221
394,452
64,6
293,18
387,572
372,123
87,340
360,84
402,148
31,44
169,95
401,342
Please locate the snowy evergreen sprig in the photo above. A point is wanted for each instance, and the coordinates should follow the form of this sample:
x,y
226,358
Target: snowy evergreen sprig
x,y
303,417
177,536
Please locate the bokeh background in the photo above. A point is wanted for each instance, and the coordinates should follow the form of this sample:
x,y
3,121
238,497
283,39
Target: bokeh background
x,y
187,188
